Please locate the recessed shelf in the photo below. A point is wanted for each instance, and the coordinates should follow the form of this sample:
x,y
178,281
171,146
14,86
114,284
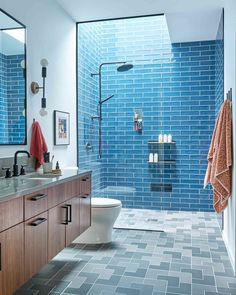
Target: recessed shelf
x,y
158,142
163,162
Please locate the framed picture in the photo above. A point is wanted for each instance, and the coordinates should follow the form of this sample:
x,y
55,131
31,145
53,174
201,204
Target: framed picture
x,y
61,128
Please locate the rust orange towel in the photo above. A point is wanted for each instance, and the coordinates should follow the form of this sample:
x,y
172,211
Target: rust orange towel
x,y
219,170
38,145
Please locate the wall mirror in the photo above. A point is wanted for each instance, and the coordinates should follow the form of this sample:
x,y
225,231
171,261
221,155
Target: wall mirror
x,y
12,81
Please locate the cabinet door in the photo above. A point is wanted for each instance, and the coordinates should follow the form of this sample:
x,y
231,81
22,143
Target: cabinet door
x,y
56,230
12,259
73,226
85,185
85,213
35,244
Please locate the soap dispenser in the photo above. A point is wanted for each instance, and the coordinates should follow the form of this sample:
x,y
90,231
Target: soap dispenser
x,y
57,166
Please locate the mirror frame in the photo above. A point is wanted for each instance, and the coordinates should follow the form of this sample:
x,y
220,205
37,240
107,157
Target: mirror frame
x,y
25,73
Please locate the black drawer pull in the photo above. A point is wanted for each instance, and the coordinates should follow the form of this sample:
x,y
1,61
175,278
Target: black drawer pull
x,y
67,215
70,209
38,221
38,197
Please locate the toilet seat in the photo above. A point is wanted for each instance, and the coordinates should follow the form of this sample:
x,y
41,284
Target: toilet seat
x,y
104,203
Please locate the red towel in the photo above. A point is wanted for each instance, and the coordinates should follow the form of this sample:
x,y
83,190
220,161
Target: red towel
x,y
38,145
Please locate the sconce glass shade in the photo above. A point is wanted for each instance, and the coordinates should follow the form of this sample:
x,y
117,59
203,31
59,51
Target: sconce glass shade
x,y
22,64
44,62
43,112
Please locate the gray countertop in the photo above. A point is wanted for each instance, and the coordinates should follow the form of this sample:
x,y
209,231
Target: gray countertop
x,y
14,187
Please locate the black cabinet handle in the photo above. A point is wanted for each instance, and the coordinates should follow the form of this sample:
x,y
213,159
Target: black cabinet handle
x,y
67,214
84,197
70,209
38,221
38,197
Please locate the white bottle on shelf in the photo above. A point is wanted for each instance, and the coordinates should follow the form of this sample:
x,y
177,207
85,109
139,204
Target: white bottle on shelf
x,y
155,158
169,138
151,158
160,138
165,138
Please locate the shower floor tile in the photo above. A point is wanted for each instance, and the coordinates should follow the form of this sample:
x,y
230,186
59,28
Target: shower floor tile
x,y
167,221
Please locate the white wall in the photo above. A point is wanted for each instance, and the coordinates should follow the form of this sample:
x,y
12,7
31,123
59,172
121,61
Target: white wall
x,y
229,232
51,34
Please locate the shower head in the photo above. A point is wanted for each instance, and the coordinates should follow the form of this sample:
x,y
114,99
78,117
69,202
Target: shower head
x,y
125,67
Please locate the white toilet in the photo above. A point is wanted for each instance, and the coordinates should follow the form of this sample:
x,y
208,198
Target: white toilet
x,y
104,213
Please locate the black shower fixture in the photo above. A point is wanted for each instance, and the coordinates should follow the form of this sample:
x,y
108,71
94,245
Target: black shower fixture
x,y
122,68
125,67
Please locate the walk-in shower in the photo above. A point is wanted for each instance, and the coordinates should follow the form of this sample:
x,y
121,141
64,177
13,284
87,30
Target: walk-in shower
x,y
123,68
175,85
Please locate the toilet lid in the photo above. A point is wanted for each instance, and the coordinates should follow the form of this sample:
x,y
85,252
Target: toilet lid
x,y
104,202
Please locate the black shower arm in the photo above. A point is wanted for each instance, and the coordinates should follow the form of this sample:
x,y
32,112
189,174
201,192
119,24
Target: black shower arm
x,y
106,99
105,64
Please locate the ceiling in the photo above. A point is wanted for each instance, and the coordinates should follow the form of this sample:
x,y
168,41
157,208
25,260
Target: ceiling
x,y
188,20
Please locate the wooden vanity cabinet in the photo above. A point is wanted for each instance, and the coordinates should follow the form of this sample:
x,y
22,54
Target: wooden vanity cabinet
x,y
85,202
56,230
73,224
36,244
36,227
85,213
35,203
12,259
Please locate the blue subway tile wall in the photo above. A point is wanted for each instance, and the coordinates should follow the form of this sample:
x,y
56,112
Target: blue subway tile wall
x,y
174,86
219,66
88,62
3,99
16,99
219,87
12,98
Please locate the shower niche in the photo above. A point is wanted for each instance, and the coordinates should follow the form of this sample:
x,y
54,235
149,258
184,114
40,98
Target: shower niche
x,y
138,120
162,171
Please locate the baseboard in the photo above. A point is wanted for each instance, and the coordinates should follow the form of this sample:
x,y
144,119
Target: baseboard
x,y
231,257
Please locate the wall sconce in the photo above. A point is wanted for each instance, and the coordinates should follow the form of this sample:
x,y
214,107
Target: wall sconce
x,y
35,87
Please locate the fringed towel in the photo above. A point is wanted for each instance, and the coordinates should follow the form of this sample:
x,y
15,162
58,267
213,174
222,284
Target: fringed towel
x,y
219,170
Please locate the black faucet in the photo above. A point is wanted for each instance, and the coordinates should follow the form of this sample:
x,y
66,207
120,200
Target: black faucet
x,y
15,166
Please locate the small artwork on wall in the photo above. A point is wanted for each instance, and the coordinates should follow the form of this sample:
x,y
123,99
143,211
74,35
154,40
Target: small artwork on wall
x,y
61,128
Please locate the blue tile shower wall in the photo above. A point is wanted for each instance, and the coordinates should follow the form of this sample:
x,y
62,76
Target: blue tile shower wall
x,y
174,86
12,96
88,62
219,66
15,99
3,99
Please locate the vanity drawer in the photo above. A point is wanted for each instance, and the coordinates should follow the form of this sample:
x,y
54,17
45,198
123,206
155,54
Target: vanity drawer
x,y
85,185
35,203
75,187
58,194
11,213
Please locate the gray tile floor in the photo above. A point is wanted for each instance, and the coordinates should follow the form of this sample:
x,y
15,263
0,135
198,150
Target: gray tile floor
x,y
189,259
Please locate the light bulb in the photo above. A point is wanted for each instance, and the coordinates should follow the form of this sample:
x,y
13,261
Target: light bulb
x,y
43,112
44,62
